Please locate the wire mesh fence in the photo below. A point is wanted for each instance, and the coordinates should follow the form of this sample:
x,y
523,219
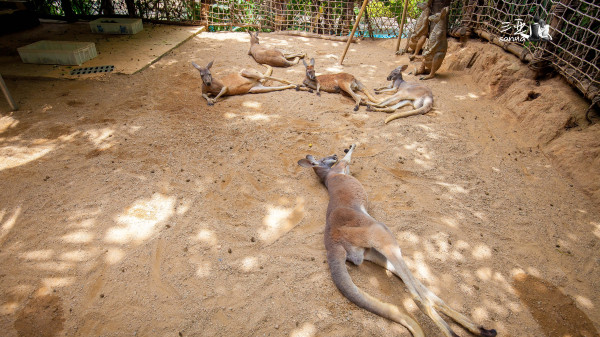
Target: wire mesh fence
x,y
563,34
330,17
333,17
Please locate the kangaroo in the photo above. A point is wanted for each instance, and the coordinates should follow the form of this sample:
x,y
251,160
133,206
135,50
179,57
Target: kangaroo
x,y
243,82
404,93
271,56
333,83
418,36
351,234
436,47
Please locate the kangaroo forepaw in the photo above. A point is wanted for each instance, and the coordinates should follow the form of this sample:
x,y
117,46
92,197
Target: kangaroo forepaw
x,y
487,333
210,103
369,108
297,88
356,108
311,91
318,93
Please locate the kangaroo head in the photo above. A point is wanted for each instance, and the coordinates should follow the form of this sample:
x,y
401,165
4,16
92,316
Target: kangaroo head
x,y
396,74
321,166
310,69
253,38
422,5
439,16
205,73
330,164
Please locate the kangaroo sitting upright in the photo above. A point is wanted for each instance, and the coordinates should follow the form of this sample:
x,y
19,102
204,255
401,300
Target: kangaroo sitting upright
x,y
437,45
334,83
351,234
403,93
417,37
271,56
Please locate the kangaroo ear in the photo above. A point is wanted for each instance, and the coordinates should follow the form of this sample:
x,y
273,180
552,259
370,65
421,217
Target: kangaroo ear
x,y
305,163
312,61
196,66
304,62
209,64
403,67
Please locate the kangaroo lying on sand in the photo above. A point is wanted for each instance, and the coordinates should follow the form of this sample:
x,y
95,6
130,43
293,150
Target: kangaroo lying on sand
x,y
418,36
243,82
351,234
437,45
404,93
271,56
334,83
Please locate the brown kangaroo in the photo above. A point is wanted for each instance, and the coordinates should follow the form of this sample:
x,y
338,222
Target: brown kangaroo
x,y
351,234
334,83
404,93
417,37
271,56
436,47
243,82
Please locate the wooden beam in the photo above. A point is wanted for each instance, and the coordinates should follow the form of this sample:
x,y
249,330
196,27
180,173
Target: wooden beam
x,y
401,26
9,98
362,9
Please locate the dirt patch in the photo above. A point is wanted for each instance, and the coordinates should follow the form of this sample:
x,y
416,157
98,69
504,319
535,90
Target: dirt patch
x,y
564,319
552,113
147,212
42,316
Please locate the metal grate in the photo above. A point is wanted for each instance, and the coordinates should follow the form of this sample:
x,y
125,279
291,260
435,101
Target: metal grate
x,y
92,70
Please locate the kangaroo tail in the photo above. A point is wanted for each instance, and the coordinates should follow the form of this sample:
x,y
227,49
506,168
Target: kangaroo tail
x,y
295,61
336,257
422,110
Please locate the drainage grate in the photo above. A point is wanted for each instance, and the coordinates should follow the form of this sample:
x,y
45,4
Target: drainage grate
x,y
92,70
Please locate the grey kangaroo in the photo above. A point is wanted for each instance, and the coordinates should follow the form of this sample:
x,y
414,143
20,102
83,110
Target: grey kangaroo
x,y
351,234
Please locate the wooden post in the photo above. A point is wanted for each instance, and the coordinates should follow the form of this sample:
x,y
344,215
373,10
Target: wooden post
x,y
401,26
362,9
9,98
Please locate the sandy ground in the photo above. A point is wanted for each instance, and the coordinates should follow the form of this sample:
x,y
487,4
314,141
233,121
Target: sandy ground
x,y
130,207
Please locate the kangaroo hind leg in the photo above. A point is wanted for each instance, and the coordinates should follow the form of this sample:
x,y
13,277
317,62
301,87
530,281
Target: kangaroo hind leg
x,y
347,88
392,253
259,88
336,258
378,258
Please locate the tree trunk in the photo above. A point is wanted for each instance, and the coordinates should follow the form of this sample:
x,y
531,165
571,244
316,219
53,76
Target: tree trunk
x,y
437,5
131,8
67,8
107,7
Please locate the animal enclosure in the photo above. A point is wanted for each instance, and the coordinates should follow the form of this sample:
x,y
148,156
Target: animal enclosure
x,y
130,205
574,50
